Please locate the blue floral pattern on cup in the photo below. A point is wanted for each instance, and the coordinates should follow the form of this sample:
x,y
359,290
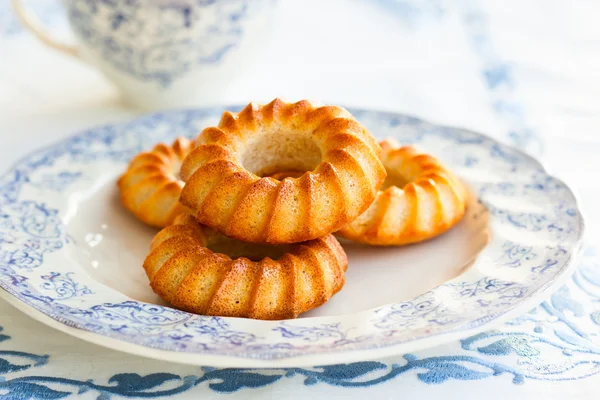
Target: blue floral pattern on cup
x,y
152,42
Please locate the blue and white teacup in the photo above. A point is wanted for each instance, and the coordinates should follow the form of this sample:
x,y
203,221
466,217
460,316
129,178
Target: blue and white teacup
x,y
163,53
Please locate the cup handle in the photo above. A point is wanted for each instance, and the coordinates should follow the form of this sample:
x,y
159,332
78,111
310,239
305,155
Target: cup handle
x,y
32,22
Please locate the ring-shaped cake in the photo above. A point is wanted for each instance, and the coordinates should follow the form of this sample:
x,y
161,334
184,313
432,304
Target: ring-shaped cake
x,y
150,188
227,181
419,200
187,267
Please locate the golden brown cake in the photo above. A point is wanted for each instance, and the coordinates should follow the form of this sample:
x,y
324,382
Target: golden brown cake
x,y
227,179
420,199
289,280
150,188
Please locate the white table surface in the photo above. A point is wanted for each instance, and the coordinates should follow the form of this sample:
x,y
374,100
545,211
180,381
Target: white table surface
x,y
527,67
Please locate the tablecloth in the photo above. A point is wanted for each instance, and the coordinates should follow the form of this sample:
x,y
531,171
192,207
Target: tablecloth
x,y
526,72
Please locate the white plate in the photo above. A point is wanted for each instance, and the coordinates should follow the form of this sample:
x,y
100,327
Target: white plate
x,y
71,256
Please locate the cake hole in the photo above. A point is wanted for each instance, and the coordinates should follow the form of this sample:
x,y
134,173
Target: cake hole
x,y
273,152
281,175
236,248
395,180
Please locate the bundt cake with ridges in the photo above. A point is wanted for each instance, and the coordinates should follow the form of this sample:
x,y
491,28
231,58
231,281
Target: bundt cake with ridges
x,y
150,188
227,175
419,200
187,274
